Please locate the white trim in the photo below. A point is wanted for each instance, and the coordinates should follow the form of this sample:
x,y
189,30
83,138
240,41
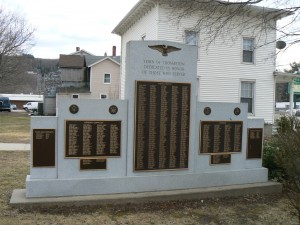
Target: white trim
x,y
109,78
253,81
254,51
101,60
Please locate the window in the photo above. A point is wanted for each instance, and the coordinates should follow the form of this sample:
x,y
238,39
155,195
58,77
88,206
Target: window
x,y
103,96
107,78
191,37
248,50
247,93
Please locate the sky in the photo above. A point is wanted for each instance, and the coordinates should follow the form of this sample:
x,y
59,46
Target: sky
x,y
63,25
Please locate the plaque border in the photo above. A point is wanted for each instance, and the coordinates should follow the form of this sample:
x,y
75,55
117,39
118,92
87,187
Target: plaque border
x,y
55,148
262,144
86,157
134,130
219,153
80,169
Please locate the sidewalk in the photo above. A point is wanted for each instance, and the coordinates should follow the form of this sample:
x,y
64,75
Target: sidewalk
x,y
14,147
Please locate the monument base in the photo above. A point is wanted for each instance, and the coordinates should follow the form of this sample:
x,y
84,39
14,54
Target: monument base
x,y
134,184
19,199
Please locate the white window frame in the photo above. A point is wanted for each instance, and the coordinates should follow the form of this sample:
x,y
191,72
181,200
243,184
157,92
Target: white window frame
x,y
252,50
103,94
104,79
253,83
195,42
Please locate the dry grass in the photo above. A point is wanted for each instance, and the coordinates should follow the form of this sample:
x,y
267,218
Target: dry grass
x,y
246,210
14,127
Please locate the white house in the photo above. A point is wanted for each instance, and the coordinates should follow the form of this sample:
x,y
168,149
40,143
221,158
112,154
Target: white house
x,y
231,70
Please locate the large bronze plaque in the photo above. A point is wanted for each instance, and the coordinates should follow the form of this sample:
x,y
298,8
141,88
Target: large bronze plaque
x,y
43,148
92,138
221,136
255,143
162,124
92,164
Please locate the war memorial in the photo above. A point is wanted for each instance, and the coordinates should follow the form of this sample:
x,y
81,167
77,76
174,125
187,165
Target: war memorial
x,y
159,138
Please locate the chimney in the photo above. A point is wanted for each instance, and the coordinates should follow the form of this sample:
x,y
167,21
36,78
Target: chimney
x,y
114,49
77,49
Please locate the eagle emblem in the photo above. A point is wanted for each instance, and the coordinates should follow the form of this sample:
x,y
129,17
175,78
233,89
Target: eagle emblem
x,y
164,49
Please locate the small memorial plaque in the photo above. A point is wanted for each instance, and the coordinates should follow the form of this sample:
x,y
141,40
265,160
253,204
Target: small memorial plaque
x,y
221,136
43,148
92,138
220,159
255,143
92,164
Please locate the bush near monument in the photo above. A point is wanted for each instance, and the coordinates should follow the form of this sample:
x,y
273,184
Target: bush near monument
x,y
282,158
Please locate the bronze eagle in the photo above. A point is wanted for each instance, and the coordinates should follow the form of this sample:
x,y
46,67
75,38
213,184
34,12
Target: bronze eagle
x,y
164,49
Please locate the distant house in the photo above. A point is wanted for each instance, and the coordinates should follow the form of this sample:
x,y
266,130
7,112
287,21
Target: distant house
x,y
84,75
234,72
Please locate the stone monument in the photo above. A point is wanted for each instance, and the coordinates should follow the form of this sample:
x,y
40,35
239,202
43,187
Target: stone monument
x,y
158,138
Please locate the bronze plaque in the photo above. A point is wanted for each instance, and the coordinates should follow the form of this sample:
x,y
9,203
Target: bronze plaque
x,y
92,164
43,148
92,138
220,159
221,136
255,143
162,124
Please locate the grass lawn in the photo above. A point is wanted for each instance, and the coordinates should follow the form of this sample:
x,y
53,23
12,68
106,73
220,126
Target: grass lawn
x,y
250,209
14,127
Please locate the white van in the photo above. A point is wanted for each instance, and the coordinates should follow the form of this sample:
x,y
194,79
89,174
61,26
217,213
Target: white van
x,y
31,106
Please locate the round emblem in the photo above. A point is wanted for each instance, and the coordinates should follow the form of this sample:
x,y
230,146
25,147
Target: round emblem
x,y
237,111
207,111
74,109
113,109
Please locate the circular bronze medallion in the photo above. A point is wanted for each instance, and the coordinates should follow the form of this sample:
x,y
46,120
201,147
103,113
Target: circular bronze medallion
x,y
74,109
207,111
113,109
237,111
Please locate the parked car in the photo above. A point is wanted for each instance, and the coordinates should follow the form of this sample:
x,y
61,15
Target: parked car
x,y
31,106
5,104
13,107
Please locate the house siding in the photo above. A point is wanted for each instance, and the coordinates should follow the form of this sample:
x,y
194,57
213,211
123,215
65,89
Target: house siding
x,y
147,25
97,79
220,69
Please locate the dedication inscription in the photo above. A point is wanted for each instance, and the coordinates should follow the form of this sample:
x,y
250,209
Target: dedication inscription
x,y
221,136
162,123
92,138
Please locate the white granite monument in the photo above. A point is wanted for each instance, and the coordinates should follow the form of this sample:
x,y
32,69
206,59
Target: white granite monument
x,y
158,138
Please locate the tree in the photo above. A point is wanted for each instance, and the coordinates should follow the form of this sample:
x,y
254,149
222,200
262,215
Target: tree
x,y
16,38
295,67
225,19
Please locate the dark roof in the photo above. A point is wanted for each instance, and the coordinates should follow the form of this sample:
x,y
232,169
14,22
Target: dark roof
x,y
90,60
71,61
